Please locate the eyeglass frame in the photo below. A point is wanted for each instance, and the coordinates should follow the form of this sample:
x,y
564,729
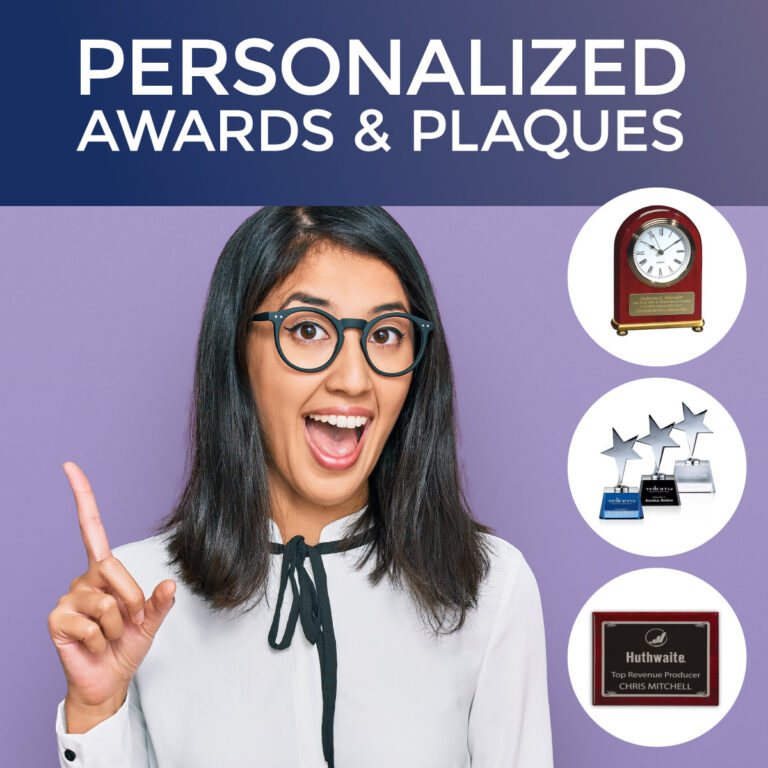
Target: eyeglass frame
x,y
277,318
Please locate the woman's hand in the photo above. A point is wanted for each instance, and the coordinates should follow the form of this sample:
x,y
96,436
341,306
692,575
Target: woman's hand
x,y
103,627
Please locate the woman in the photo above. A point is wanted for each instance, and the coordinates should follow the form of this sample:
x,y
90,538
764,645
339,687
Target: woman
x,y
336,604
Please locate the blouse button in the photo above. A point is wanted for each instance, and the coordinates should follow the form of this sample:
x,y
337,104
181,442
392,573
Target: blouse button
x,y
69,754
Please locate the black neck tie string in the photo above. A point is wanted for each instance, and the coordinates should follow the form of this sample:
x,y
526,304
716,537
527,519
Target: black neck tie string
x,y
311,605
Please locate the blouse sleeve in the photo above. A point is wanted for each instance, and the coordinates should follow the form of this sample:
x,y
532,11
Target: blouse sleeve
x,y
509,717
119,741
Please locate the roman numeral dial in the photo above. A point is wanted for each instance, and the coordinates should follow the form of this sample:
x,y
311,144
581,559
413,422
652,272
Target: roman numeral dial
x,y
661,252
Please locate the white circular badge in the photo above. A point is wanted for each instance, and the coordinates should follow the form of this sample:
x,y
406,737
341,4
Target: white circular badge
x,y
658,590
591,279
719,451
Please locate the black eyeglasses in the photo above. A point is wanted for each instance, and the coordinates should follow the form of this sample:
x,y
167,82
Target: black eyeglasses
x,y
309,339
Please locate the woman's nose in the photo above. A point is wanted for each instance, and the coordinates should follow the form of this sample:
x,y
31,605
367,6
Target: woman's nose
x,y
350,371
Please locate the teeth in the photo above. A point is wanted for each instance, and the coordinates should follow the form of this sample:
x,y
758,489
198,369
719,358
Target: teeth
x,y
339,420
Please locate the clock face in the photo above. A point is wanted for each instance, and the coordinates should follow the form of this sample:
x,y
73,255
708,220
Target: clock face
x,y
661,252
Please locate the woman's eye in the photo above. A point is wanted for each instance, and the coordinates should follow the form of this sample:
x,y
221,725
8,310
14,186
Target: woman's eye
x,y
386,336
308,332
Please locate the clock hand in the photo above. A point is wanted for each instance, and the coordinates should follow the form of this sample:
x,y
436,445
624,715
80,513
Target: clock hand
x,y
655,241
676,241
645,242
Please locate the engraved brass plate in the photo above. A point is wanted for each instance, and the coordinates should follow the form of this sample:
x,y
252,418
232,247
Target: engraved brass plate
x,y
644,304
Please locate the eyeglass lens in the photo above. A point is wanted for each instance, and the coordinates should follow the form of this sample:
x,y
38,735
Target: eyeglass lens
x,y
308,340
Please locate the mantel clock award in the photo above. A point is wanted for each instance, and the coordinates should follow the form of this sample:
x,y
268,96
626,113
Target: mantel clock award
x,y
693,475
621,502
659,489
657,272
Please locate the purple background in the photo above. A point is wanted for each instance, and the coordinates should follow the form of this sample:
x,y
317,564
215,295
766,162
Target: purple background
x,y
100,309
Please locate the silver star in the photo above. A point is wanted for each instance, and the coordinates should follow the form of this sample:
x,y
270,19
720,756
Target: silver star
x,y
658,439
622,452
693,426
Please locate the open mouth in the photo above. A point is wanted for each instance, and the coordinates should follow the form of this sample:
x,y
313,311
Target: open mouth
x,y
336,440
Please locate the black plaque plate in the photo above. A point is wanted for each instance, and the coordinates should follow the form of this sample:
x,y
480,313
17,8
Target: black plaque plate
x,y
660,492
651,658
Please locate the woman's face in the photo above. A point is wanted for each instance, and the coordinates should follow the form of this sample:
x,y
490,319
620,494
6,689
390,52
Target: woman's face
x,y
312,461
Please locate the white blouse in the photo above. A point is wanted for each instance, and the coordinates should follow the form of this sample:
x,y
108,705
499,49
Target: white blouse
x,y
212,691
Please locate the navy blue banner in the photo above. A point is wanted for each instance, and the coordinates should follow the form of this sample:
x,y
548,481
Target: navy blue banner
x,y
393,103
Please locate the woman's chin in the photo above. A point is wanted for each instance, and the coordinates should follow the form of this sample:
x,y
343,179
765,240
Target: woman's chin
x,y
323,488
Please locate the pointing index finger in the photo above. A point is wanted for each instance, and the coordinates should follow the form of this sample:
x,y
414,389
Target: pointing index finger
x,y
91,528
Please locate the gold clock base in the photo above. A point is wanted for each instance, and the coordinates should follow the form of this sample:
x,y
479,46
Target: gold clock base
x,y
623,328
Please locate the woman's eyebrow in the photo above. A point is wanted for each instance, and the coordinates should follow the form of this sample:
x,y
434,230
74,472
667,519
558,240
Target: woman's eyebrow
x,y
391,307
305,298
315,301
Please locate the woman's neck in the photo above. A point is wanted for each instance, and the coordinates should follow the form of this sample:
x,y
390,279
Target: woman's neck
x,y
296,515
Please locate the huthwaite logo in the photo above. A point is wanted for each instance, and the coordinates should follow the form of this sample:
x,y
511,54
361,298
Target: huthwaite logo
x,y
656,637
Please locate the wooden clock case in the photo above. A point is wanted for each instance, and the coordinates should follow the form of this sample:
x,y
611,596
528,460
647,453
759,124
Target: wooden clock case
x,y
640,305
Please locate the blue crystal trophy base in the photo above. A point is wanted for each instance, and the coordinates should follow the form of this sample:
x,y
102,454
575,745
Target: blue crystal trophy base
x,y
621,503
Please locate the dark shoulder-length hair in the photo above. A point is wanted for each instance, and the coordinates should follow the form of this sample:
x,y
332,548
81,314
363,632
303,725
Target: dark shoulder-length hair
x,y
424,536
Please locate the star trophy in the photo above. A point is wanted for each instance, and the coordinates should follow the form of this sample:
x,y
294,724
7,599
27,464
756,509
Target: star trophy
x,y
621,502
659,489
693,475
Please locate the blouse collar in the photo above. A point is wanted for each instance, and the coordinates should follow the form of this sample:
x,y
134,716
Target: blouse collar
x,y
333,531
